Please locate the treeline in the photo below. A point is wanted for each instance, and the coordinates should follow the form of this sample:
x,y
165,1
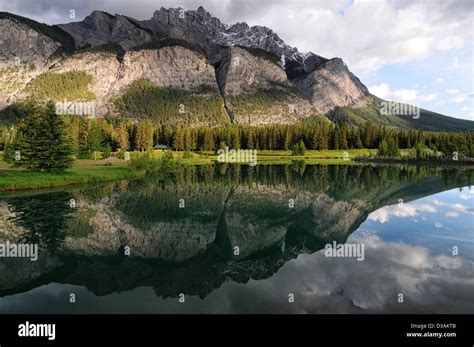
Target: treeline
x,y
112,134
71,85
142,98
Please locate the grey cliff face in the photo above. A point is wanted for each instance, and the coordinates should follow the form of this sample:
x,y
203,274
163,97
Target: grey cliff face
x,y
307,82
332,84
101,28
20,45
174,66
238,72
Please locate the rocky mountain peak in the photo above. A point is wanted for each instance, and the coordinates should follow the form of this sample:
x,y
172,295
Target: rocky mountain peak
x,y
202,11
98,19
200,20
240,63
238,27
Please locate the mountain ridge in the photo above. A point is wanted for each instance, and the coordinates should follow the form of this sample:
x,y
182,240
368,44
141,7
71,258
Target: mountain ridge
x,y
317,85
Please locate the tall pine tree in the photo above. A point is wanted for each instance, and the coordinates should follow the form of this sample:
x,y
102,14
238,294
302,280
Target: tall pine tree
x,y
41,143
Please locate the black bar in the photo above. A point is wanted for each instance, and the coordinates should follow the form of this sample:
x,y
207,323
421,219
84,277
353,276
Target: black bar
x,y
139,330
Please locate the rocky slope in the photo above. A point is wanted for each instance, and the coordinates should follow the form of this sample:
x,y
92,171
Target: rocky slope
x,y
258,77
324,84
239,81
174,66
100,28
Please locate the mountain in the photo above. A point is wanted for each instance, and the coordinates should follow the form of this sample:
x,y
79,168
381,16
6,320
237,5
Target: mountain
x,y
186,66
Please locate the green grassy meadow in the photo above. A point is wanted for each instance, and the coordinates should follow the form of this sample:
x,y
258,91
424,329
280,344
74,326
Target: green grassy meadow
x,y
91,171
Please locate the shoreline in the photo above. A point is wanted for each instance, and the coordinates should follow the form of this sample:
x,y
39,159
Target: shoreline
x,y
82,172
414,161
95,171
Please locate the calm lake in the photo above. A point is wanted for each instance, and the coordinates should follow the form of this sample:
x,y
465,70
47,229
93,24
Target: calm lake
x,y
241,239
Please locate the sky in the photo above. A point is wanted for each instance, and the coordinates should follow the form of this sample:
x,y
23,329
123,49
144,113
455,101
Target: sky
x,y
419,52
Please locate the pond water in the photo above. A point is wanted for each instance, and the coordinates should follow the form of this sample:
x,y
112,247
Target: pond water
x,y
241,239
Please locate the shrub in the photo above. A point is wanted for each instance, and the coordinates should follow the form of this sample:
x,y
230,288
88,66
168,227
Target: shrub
x,y
420,150
144,163
299,148
121,154
106,152
147,163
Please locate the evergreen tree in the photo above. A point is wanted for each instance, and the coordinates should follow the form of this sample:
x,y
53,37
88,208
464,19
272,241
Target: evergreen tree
x,y
178,139
250,138
392,148
343,136
323,140
188,145
357,140
208,140
382,149
335,138
122,137
235,138
42,143
287,138
95,139
144,136
315,138
83,133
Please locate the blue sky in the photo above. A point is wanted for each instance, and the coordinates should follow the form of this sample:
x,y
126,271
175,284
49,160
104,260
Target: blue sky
x,y
437,83
420,52
437,222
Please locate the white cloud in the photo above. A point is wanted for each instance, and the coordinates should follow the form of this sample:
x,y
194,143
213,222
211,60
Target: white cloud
x,y
384,214
463,97
439,80
452,214
433,282
408,33
455,206
450,42
384,91
452,91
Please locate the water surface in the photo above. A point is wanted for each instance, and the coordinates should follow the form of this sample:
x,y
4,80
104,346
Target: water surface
x,y
240,239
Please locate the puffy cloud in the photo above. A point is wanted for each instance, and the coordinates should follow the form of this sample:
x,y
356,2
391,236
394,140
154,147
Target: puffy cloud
x,y
384,91
450,42
452,91
463,97
455,206
385,213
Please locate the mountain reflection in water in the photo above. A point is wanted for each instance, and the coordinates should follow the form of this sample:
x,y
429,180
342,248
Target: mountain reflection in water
x,y
244,240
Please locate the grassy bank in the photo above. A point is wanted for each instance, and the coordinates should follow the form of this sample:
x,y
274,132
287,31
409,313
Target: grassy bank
x,y
280,157
83,171
90,171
